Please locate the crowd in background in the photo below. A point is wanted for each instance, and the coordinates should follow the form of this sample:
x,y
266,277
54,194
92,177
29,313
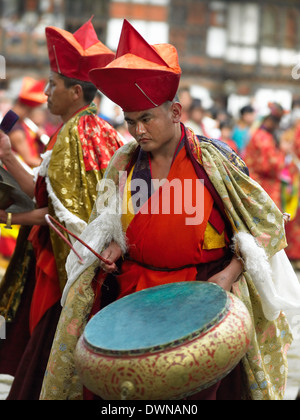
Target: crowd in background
x,y
269,144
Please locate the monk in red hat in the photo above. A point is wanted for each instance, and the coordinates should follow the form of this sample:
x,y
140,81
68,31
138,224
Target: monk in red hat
x,y
151,237
25,142
65,186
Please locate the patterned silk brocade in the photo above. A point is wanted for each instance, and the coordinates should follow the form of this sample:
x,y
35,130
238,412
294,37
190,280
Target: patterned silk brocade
x,y
74,181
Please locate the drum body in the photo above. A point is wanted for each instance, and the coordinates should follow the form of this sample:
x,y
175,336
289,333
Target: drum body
x,y
5,198
12,198
166,342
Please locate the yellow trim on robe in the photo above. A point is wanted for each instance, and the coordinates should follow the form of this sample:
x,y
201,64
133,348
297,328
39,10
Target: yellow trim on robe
x,y
127,207
212,240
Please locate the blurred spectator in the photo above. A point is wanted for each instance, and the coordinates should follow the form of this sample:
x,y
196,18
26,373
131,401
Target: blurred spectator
x,y
222,115
226,133
97,100
242,130
290,183
195,120
122,130
36,122
186,100
213,121
118,116
43,124
25,141
265,157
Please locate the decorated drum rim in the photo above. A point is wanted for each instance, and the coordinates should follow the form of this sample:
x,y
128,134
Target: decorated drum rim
x,y
214,322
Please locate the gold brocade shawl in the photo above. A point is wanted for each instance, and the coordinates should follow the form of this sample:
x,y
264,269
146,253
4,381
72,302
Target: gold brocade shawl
x,y
247,207
72,185
73,193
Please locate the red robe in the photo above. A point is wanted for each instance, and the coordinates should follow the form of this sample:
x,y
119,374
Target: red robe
x,y
265,161
293,227
151,237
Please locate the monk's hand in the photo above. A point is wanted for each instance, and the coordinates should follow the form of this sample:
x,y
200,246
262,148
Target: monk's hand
x,y
112,253
229,275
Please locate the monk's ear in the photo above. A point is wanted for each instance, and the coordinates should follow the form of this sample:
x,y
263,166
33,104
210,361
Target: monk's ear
x,y
176,112
77,91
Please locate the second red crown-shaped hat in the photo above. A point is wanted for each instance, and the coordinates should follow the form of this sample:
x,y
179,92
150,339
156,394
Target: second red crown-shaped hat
x,y
74,55
142,76
32,92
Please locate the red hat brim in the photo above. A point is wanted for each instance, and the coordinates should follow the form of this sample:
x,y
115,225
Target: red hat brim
x,y
136,89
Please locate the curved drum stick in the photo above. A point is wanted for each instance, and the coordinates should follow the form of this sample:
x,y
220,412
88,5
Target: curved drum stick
x,y
51,221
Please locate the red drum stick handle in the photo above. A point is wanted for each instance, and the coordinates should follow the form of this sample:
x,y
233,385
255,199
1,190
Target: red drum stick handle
x,y
50,220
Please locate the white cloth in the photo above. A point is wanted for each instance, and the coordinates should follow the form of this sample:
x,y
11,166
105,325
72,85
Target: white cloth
x,y
107,227
274,278
72,222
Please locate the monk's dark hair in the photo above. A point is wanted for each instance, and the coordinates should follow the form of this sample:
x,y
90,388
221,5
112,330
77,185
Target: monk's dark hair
x,y
88,88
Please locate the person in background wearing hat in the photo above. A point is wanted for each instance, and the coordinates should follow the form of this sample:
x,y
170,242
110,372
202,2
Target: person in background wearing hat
x,y
151,248
265,155
25,143
65,187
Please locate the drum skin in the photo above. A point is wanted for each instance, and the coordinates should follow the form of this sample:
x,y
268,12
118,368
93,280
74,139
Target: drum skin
x,y
170,370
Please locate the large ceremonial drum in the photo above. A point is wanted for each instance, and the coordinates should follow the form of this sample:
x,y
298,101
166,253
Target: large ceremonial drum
x,y
166,342
12,198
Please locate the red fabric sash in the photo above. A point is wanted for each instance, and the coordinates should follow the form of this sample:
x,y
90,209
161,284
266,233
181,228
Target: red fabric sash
x,y
47,290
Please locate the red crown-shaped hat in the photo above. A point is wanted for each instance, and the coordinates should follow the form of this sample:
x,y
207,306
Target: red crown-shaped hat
x,y
74,55
141,76
32,92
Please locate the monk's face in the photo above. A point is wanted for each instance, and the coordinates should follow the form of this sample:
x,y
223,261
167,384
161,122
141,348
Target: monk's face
x,y
63,100
155,129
